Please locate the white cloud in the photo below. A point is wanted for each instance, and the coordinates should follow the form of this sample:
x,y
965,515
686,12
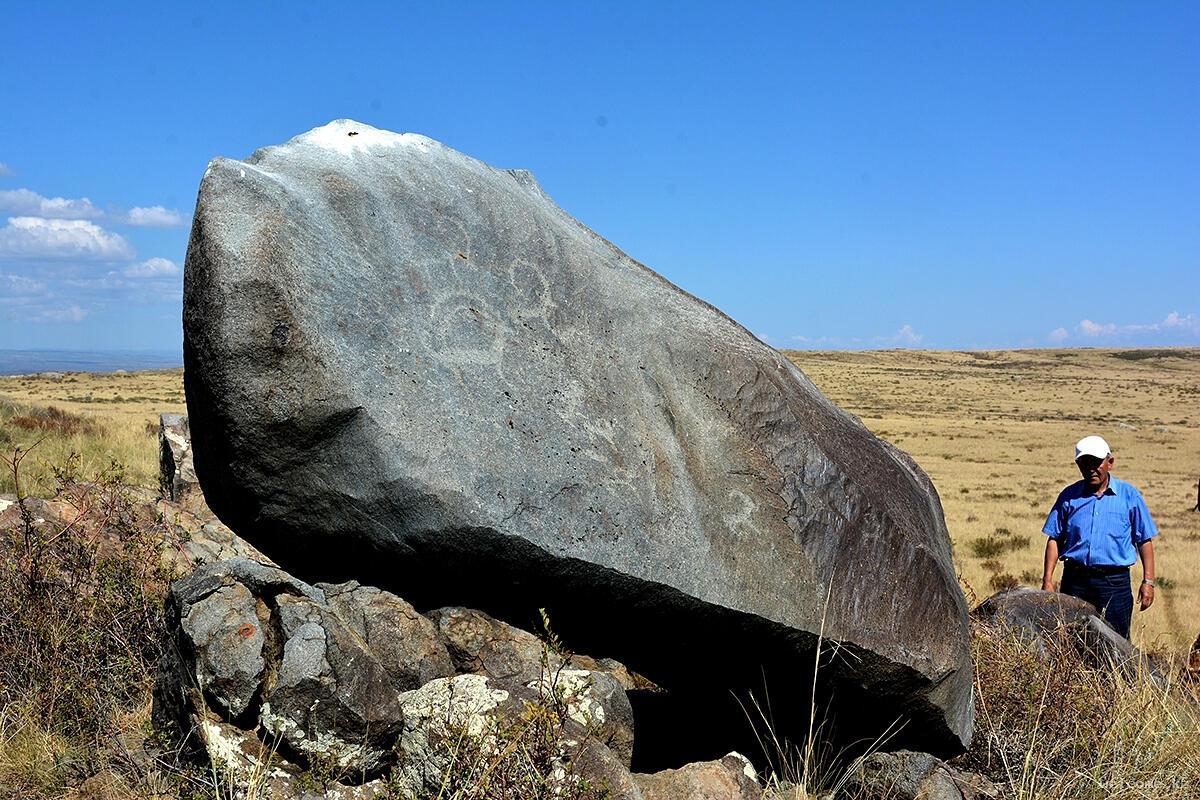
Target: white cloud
x,y
71,313
31,204
5,170
906,335
27,203
36,237
154,217
151,268
20,285
1174,322
1093,329
1058,335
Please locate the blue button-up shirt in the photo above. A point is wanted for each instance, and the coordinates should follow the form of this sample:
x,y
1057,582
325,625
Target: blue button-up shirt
x,y
1102,531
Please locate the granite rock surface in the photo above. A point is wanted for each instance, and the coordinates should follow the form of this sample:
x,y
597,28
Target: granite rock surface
x,y
409,368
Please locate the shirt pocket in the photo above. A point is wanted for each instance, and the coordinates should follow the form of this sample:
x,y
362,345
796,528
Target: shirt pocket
x,y
1117,525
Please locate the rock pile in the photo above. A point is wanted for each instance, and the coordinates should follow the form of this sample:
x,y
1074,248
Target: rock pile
x,y
410,369
273,681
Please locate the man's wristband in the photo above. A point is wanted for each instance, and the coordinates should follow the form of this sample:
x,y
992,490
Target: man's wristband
x,y
1147,583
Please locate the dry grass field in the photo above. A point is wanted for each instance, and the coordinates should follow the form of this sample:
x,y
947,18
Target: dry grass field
x,y
118,419
995,431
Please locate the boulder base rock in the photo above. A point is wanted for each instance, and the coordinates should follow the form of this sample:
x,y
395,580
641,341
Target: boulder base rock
x,y
319,668
409,368
905,775
1042,616
729,778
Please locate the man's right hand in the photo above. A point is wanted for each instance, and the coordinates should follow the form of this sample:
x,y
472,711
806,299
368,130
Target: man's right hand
x,y
1047,584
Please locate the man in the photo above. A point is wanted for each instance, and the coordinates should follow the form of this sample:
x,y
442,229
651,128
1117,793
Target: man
x,y
1099,526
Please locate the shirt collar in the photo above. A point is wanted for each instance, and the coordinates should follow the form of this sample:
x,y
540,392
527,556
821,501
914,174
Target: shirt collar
x,y
1110,489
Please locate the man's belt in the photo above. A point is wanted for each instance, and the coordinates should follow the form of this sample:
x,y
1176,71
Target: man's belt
x,y
1096,569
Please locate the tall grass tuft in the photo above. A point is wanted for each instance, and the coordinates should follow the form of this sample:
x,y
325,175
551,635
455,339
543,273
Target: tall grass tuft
x,y
1050,726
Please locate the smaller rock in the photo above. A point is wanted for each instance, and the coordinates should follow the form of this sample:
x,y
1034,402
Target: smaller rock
x,y
1041,616
905,775
481,644
226,633
404,641
1125,426
729,778
331,701
460,726
194,541
484,645
177,472
597,701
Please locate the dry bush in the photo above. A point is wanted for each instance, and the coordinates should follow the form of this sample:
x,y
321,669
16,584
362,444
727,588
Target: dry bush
x,y
53,420
1003,580
81,625
1052,727
989,547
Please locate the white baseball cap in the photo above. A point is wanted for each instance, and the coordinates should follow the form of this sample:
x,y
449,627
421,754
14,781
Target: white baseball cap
x,y
1092,446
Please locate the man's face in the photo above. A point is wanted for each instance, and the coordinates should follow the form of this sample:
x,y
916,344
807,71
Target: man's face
x,y
1094,470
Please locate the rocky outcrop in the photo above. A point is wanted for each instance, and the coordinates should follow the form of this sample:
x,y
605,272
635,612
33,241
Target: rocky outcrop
x,y
409,368
271,679
319,668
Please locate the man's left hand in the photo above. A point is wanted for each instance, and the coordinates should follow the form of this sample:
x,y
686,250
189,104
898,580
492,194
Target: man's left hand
x,y
1145,596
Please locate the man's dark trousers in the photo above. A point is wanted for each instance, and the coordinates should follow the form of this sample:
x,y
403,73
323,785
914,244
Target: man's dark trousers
x,y
1107,588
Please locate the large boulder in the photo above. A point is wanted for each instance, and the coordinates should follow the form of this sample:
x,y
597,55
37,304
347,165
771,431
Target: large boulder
x,y
409,368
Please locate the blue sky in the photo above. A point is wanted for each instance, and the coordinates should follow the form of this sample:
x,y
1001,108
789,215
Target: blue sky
x,y
837,175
